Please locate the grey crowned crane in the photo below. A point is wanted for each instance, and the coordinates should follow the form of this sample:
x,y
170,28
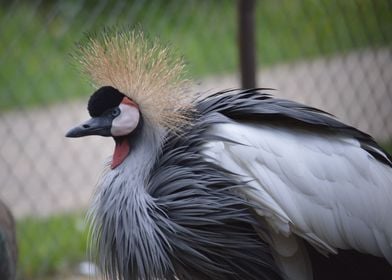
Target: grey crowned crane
x,y
236,185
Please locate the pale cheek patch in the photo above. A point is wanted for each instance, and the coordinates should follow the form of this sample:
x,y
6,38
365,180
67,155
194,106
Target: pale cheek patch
x,y
127,121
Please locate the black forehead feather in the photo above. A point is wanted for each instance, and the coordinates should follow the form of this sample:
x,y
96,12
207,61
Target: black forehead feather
x,y
103,99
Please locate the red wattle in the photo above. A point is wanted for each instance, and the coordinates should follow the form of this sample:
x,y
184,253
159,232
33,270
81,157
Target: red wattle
x,y
121,151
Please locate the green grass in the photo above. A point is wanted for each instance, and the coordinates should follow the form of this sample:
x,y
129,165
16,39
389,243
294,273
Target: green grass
x,y
35,67
388,147
50,245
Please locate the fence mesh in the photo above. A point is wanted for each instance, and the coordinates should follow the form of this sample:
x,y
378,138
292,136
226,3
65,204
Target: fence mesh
x,y
335,55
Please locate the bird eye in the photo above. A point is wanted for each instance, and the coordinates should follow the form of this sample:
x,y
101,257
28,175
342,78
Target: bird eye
x,y
115,112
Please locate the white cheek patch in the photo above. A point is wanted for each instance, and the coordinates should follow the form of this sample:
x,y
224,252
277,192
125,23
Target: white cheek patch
x,y
126,122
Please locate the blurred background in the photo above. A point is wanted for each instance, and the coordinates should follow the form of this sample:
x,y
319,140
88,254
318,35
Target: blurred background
x,y
332,54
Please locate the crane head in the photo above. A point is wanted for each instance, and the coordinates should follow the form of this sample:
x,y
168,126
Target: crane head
x,y
135,76
112,114
142,69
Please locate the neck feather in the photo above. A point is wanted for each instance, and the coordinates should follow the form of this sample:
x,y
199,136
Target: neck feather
x,y
121,213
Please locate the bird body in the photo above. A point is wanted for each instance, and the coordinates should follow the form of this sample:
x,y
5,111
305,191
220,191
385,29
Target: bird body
x,y
237,185
320,184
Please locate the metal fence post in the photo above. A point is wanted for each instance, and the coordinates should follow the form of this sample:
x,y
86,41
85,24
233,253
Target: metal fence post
x,y
246,43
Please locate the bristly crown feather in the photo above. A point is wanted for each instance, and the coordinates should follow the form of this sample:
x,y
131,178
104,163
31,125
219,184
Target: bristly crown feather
x,y
143,70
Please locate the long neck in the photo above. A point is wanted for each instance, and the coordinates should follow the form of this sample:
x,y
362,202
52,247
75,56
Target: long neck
x,y
121,213
144,149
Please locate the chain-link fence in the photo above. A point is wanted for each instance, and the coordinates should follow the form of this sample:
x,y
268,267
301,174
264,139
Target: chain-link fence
x,y
332,54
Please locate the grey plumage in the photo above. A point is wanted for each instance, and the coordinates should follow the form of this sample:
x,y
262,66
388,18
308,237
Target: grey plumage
x,y
181,218
251,105
167,212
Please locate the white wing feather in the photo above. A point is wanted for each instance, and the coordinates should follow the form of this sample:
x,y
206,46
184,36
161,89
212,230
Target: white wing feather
x,y
324,188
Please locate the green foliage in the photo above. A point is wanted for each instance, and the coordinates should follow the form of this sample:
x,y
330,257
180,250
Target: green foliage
x,y
388,147
289,30
36,39
50,245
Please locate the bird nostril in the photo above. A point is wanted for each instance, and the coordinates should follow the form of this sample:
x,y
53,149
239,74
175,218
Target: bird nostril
x,y
86,126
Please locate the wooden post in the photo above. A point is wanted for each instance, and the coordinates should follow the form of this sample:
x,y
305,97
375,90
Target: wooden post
x,y
246,43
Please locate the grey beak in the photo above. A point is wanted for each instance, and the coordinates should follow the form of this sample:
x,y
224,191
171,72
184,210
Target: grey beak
x,y
94,126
